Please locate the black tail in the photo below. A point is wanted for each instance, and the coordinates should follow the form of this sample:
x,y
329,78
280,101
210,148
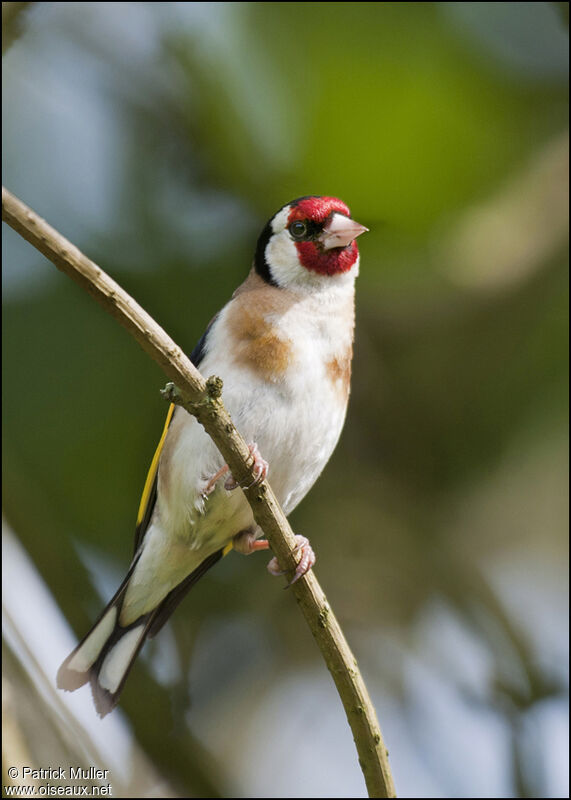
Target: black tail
x,y
106,654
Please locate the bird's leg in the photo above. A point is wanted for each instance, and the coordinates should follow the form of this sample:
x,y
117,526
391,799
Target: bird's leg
x,y
260,467
246,543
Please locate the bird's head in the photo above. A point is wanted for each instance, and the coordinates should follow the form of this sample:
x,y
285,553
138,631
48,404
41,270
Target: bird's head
x,y
307,241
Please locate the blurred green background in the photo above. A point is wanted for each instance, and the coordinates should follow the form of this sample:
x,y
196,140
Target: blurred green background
x,y
159,137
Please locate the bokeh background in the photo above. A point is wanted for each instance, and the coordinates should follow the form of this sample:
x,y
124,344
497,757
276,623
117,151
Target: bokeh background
x,y
159,137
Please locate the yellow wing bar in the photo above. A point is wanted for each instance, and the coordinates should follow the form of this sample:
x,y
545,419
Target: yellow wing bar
x,y
152,473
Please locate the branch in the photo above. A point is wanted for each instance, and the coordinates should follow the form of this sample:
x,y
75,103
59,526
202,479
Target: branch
x,y
202,398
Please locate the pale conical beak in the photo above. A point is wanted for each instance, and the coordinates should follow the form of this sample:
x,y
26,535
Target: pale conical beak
x,y
340,232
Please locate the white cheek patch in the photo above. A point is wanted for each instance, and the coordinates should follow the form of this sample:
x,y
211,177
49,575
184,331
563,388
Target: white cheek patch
x,y
118,659
281,253
283,258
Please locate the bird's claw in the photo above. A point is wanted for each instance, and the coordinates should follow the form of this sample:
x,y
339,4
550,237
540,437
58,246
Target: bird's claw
x,y
260,467
305,563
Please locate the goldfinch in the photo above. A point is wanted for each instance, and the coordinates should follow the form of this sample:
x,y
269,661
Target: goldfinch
x,y
283,346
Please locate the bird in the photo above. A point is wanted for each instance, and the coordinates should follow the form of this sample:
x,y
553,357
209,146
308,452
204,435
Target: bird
x,y
283,348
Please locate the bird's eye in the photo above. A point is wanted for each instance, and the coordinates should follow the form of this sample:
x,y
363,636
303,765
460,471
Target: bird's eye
x,y
298,229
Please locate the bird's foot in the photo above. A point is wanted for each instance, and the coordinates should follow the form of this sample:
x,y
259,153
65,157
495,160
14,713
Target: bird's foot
x,y
260,467
211,485
260,472
246,543
305,563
